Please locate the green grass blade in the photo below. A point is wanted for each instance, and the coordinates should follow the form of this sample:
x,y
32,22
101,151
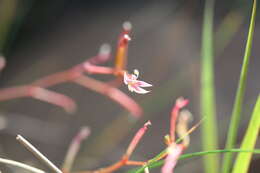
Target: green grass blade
x,y
209,127
7,14
249,141
196,154
236,113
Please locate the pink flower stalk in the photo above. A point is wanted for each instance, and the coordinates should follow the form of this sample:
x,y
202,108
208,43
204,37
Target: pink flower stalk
x,y
53,97
38,93
76,71
135,85
103,55
174,152
137,138
74,148
111,92
179,104
76,75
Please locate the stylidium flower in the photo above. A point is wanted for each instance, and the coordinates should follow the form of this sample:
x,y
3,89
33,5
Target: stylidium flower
x,y
135,85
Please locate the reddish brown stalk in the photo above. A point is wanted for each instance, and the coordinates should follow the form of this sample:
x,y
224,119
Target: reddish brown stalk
x,y
137,139
73,73
78,70
36,89
40,94
122,47
93,69
121,55
135,163
115,166
58,78
180,103
111,92
76,74
124,160
173,152
108,169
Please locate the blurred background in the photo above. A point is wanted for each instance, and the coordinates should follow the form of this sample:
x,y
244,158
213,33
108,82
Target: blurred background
x,y
39,38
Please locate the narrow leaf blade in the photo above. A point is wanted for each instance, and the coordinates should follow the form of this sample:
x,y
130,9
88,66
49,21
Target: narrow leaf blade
x,y
236,113
249,141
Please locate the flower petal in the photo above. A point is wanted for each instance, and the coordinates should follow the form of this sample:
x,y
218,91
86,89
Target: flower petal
x,y
143,84
126,78
139,90
134,84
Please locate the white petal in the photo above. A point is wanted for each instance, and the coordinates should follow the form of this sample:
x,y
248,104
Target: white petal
x,y
127,37
143,84
140,90
126,79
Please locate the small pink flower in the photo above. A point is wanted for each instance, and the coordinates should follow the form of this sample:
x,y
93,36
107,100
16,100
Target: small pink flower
x,y
135,85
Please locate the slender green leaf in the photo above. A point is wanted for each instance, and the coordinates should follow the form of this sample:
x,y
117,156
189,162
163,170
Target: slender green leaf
x,y
243,159
209,127
236,113
196,154
7,15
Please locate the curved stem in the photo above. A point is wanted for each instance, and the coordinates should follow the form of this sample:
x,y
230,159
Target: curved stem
x,y
21,165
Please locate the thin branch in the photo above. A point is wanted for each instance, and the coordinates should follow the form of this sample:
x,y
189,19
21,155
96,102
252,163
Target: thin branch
x,y
21,165
38,93
37,153
125,158
112,93
74,148
137,139
77,70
